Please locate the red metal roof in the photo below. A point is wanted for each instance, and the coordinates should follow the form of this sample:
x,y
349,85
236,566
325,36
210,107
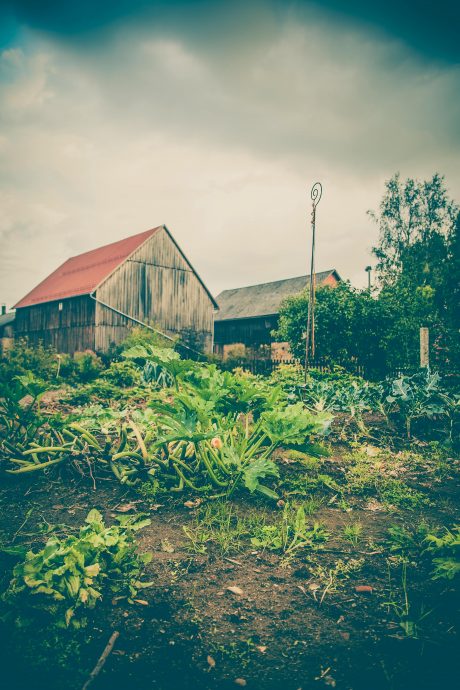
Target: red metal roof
x,y
81,274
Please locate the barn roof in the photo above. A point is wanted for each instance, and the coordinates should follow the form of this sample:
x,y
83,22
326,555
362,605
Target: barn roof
x,y
7,318
81,274
263,299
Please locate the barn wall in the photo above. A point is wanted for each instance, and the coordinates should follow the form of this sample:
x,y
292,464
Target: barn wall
x,y
252,332
157,286
68,330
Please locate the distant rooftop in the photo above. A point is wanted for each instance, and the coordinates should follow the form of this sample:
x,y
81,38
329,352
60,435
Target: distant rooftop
x,y
6,319
264,299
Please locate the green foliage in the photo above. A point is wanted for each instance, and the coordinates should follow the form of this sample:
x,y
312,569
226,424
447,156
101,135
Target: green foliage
x,y
293,425
140,336
219,433
260,468
22,358
290,533
71,575
419,269
419,273
350,326
445,551
123,374
87,366
412,212
420,396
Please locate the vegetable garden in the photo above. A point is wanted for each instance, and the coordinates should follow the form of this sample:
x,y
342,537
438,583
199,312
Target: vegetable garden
x,y
231,529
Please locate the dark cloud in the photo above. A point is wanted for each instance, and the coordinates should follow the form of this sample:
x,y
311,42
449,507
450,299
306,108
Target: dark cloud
x,y
430,28
215,118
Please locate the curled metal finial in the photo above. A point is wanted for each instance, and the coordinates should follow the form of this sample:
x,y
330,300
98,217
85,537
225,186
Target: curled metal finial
x,y
316,193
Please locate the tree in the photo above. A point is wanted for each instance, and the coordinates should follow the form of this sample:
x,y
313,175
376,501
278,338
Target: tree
x,y
419,277
417,269
412,213
350,326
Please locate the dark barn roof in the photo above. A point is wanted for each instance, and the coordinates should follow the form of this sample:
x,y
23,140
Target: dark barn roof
x,y
263,299
6,319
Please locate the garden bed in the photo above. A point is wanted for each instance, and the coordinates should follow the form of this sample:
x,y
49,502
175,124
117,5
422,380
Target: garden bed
x,y
285,628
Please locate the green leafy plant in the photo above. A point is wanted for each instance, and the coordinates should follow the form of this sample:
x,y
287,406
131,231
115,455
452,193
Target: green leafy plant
x,y
353,532
445,552
290,533
72,575
416,397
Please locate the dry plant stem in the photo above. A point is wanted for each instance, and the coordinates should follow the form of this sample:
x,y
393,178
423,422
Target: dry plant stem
x,y
102,659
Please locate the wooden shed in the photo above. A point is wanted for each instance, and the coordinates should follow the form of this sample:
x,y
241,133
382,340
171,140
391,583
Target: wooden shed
x,y
6,329
93,299
248,315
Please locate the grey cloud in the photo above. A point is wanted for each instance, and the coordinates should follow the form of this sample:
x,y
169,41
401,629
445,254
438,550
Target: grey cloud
x,y
220,142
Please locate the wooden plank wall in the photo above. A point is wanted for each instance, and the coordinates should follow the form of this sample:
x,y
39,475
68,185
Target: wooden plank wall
x,y
157,286
68,330
252,332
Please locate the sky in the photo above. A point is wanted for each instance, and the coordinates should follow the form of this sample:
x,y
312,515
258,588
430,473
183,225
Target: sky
x,y
216,118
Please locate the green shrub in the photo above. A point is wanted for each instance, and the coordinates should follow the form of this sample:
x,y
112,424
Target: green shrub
x,y
72,574
88,366
22,358
124,374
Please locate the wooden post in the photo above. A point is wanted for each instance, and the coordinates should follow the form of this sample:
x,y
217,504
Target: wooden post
x,y
424,347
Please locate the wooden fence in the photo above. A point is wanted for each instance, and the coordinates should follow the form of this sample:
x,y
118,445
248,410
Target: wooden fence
x,y
266,366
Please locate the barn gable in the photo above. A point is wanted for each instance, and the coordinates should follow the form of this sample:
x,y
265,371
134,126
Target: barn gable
x,y
156,285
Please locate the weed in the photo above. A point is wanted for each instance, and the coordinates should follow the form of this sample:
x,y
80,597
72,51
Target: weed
x,y
290,533
368,475
353,532
329,580
219,524
409,619
445,551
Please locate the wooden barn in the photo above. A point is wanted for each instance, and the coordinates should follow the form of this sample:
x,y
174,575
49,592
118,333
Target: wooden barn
x,y
93,299
247,316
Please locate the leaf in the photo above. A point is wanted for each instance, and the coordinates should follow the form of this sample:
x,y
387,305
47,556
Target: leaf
x,y
94,517
235,590
266,491
258,469
93,570
211,661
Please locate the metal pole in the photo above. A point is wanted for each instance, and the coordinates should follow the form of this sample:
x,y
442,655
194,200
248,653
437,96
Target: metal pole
x,y
368,271
315,195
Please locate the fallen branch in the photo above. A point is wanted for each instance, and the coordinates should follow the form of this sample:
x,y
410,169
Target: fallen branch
x,y
102,659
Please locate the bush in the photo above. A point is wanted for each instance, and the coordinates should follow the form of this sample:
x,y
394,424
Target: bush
x,y
138,336
124,374
22,358
88,366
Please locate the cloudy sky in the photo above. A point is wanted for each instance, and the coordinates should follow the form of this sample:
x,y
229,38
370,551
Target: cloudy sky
x,y
216,118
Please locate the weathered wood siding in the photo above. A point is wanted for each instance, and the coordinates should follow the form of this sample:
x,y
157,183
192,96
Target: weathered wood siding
x,y
251,332
157,286
70,329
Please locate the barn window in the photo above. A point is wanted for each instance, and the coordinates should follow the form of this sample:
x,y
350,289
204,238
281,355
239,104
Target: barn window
x,y
60,306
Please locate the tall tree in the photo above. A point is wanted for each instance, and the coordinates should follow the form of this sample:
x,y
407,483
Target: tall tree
x,y
412,213
418,225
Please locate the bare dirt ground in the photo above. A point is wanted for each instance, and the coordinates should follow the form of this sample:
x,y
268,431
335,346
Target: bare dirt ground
x,y
283,627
